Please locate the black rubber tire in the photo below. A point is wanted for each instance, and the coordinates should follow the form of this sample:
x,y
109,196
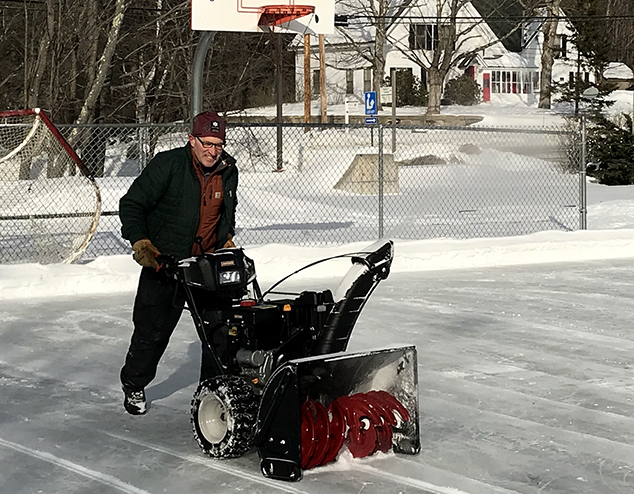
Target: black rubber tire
x,y
223,414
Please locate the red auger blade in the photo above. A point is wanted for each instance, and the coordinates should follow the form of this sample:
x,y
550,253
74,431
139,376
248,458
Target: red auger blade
x,y
308,433
311,407
338,430
321,436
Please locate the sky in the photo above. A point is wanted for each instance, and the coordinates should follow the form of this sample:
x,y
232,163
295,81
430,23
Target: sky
x,y
525,380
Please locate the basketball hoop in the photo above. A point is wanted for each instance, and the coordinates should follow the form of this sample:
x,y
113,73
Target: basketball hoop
x,y
258,16
274,15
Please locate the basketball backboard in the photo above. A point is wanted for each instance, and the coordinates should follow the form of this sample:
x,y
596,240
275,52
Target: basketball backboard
x,y
285,16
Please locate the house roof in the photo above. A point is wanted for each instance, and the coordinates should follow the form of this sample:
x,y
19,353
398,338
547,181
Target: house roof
x,y
618,70
502,16
362,31
507,61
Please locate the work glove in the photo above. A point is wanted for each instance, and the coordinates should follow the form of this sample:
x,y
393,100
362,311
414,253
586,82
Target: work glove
x,y
145,253
229,243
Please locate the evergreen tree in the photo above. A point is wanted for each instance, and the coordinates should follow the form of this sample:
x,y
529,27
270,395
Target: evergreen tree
x,y
611,151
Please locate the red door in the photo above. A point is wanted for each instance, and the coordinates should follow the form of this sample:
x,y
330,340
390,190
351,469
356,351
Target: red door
x,y
486,87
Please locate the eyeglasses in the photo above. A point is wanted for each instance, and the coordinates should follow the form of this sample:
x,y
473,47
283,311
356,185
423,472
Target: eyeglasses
x,y
209,145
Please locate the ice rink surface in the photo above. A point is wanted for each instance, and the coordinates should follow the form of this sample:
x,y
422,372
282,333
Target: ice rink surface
x,y
525,386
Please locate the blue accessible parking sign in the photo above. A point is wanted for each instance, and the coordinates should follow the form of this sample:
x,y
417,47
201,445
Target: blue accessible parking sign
x,y
370,103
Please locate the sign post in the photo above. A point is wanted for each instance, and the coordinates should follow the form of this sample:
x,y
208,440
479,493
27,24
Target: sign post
x,y
370,103
370,112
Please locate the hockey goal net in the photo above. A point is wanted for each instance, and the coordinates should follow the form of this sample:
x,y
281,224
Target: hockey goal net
x,y
49,201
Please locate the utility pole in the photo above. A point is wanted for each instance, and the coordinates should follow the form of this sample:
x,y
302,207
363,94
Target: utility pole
x,y
322,78
307,80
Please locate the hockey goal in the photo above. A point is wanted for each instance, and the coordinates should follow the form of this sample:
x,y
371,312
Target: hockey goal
x,y
49,201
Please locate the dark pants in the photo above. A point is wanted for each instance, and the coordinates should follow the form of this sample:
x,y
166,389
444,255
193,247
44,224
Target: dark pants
x,y
157,309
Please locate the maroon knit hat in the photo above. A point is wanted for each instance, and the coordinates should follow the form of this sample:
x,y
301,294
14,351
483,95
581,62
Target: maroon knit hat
x,y
209,124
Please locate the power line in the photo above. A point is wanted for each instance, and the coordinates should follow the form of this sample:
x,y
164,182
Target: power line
x,y
41,5
489,18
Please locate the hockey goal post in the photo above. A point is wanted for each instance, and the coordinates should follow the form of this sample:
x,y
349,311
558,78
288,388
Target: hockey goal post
x,y
50,202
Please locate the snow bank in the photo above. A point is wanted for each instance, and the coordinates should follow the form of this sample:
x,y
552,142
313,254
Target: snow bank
x,y
115,274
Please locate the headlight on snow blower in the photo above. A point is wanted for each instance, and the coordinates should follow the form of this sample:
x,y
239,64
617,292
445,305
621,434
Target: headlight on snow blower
x,y
227,272
229,277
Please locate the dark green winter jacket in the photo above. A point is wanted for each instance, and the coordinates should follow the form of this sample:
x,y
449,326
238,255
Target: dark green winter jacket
x,y
163,203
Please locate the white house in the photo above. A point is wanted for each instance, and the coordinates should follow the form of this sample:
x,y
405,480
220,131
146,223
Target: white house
x,y
515,75
504,75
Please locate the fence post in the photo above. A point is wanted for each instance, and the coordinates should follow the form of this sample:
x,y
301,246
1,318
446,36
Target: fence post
x,y
380,180
280,100
394,96
583,210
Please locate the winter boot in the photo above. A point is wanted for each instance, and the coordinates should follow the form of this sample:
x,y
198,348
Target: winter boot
x,y
134,402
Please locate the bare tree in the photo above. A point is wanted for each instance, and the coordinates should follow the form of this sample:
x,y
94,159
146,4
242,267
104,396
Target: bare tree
x,y
379,16
104,64
549,31
33,90
147,54
621,32
60,43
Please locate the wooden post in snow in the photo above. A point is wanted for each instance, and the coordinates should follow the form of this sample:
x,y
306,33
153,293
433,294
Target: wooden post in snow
x,y
307,81
322,78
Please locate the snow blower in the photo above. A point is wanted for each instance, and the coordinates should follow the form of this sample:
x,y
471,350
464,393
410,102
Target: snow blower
x,y
282,381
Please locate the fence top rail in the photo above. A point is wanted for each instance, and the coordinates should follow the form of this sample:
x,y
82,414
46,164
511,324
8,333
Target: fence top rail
x,y
124,125
480,129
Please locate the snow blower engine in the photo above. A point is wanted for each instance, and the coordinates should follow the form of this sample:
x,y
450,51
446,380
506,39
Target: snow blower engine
x,y
282,381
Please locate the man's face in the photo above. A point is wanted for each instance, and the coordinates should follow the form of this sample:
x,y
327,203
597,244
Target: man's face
x,y
207,150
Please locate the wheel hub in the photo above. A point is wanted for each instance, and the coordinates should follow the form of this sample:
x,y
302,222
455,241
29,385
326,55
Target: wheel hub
x,y
212,419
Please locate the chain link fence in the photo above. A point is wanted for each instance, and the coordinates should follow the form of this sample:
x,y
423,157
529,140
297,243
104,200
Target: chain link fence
x,y
314,184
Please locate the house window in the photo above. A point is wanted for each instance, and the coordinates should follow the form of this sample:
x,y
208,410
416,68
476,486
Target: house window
x,y
495,81
561,46
515,85
341,20
527,83
572,77
506,81
416,37
514,82
423,36
349,81
536,82
447,33
367,79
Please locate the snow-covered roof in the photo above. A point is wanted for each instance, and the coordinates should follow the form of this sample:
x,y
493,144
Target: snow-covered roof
x,y
361,30
508,60
618,70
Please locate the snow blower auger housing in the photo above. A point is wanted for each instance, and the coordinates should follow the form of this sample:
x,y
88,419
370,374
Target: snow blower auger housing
x,y
281,364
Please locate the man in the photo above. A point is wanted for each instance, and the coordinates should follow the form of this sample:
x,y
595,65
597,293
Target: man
x,y
182,204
